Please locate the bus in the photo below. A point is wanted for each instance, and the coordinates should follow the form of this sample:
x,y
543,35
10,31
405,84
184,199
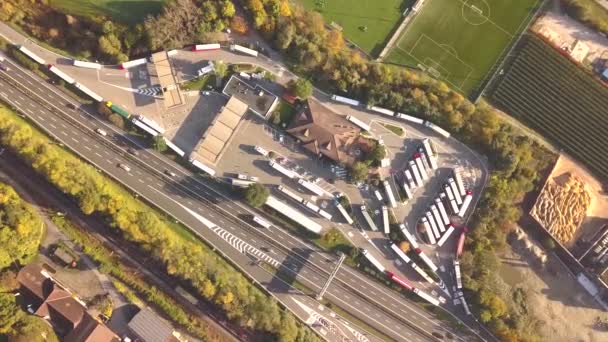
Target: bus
x,y
346,100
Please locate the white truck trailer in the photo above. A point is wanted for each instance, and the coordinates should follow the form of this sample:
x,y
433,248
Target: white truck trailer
x,y
368,219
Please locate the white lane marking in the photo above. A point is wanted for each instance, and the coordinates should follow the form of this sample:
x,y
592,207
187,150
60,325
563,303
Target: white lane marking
x,y
75,140
87,147
109,161
18,104
64,133
97,154
52,118
40,118
139,180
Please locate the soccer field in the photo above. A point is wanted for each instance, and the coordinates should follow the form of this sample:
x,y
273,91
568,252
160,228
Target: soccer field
x,y
459,41
367,23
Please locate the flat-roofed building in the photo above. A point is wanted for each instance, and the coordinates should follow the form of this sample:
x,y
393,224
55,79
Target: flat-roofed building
x,y
259,100
167,80
221,130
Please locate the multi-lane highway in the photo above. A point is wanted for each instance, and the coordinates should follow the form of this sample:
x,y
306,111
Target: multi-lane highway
x,y
182,195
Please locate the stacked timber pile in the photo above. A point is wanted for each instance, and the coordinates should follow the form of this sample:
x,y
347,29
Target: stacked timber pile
x,y
562,206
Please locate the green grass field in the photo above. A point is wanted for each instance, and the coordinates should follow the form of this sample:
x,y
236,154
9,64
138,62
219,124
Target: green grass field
x,y
380,17
459,41
128,11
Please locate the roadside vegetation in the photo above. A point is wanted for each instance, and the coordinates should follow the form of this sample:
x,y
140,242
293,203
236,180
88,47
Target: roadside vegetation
x,y
589,12
21,229
169,244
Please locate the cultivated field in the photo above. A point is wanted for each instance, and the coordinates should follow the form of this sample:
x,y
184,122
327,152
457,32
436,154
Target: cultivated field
x,y
367,23
555,97
459,41
130,11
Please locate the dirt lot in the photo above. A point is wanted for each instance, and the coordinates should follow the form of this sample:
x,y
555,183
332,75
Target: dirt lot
x,y
566,311
564,31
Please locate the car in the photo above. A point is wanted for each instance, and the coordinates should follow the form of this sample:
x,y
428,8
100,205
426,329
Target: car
x,y
170,174
206,92
124,167
71,106
133,151
101,132
4,67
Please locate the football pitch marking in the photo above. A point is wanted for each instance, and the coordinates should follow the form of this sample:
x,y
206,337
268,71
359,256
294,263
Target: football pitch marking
x,y
434,67
465,4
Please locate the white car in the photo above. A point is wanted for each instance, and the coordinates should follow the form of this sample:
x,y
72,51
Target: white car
x,y
101,132
124,167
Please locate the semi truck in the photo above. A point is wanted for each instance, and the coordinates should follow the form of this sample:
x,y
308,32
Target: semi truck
x,y
400,281
368,219
429,217
373,260
418,160
455,191
290,194
458,178
465,203
389,193
457,274
445,236
381,110
429,232
408,236
460,245
432,157
410,118
287,173
293,214
437,218
385,223
410,179
416,174
427,260
345,100
311,187
359,123
344,213
444,215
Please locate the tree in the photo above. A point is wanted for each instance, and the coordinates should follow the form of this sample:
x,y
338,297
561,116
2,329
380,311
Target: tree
x,y
20,229
405,246
376,154
358,172
10,314
256,195
159,143
220,69
227,9
301,88
548,243
238,24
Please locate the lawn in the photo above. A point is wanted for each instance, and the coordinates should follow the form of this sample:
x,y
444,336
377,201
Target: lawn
x,y
459,41
128,11
380,17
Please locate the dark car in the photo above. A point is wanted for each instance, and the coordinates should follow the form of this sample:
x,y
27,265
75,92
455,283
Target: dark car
x,y
133,151
4,67
71,106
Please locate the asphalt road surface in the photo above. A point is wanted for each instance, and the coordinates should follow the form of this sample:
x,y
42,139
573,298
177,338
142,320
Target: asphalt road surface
x,y
186,194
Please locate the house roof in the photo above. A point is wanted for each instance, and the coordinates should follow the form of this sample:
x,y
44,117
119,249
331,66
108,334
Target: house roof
x,y
62,309
90,330
33,278
67,315
149,327
322,131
